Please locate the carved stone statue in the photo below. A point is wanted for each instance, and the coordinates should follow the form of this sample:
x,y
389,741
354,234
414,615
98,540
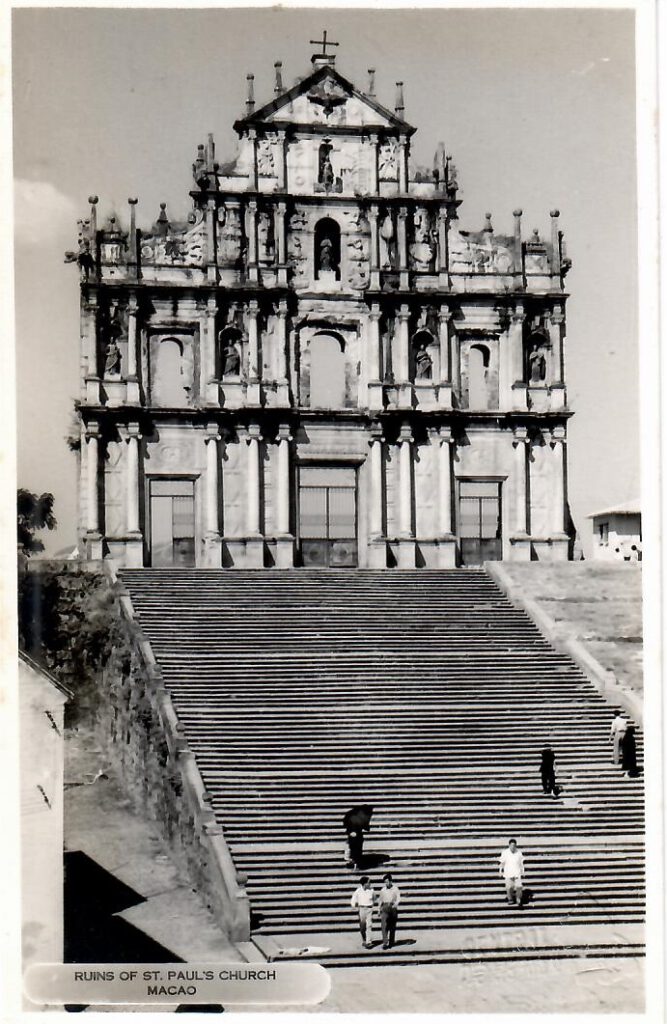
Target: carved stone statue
x,y
423,364
387,159
326,254
328,176
387,244
112,360
232,361
537,366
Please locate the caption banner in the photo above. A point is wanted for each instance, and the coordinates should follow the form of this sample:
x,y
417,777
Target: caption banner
x,y
293,984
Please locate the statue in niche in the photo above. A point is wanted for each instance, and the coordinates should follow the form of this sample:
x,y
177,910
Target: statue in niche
x,y
423,364
112,360
537,365
328,176
265,163
231,365
387,243
326,254
265,237
387,159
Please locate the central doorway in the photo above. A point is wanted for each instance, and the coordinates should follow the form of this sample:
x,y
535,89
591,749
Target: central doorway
x,y
172,522
480,521
328,516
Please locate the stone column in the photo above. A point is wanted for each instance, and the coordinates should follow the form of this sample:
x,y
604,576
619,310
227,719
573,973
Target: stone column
x,y
376,540
404,276
558,444
211,214
282,393
401,358
374,186
254,541
132,382
213,539
403,154
443,273
282,160
374,358
515,360
445,384
558,396
89,355
520,550
92,471
280,212
446,539
375,248
406,543
209,384
252,176
253,386
134,541
284,539
251,232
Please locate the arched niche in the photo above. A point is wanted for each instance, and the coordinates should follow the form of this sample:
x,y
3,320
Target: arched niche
x,y
327,371
327,248
325,174
171,372
230,350
535,356
479,361
423,351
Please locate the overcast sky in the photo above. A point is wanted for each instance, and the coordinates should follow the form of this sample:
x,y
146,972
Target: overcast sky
x,y
537,108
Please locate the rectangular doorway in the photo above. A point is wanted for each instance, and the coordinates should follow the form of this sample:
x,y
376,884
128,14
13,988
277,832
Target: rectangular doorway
x,y
480,521
328,516
172,538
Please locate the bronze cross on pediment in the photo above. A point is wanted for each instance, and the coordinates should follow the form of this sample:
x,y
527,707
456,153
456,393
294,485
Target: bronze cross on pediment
x,y
323,42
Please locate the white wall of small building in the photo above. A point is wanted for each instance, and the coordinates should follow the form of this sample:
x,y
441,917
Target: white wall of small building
x,y
622,532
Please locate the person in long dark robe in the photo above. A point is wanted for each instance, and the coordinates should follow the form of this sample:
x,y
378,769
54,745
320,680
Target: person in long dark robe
x,y
357,821
629,753
547,771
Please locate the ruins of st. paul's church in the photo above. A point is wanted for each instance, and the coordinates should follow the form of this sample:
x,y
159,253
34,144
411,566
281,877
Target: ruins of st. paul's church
x,y
321,367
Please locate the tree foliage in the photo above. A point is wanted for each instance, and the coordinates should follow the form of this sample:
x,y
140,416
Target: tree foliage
x,y
34,513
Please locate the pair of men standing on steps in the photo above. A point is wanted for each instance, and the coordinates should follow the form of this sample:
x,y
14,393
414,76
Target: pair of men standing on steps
x,y
363,899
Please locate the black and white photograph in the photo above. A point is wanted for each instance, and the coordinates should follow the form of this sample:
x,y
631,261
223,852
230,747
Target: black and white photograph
x,y
337,465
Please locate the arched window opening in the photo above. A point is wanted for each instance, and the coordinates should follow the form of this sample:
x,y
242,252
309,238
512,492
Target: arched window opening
x,y
535,361
327,248
422,359
229,352
170,386
327,372
478,364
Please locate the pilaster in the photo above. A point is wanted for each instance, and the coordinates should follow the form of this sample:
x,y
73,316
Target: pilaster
x,y
251,232
253,383
133,396
373,215
401,360
284,539
445,384
446,538
520,540
404,276
213,539
377,551
254,539
134,538
406,541
93,538
375,399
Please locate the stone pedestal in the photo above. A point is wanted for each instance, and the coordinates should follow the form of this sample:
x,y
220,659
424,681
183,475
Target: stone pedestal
x,y
520,548
93,544
132,393
254,553
377,553
284,552
406,553
444,399
134,551
93,390
213,551
447,552
519,397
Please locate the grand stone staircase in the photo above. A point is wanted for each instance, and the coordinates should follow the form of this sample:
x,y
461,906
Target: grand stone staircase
x,y
427,695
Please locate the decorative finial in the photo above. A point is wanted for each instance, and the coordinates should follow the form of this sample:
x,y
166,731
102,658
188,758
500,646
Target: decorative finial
x,y
210,153
488,226
371,82
518,212
400,102
554,213
162,222
278,87
250,93
93,200
536,235
133,202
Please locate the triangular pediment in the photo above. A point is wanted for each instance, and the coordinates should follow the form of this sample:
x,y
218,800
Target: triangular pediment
x,y
325,98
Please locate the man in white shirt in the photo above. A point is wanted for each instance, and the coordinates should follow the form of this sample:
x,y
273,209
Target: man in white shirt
x,y
362,902
618,727
511,870
388,901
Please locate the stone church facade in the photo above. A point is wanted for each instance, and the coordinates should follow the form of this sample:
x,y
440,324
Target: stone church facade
x,y
321,367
